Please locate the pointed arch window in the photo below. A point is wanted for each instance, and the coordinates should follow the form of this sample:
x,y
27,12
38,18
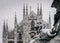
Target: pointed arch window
x,y
32,25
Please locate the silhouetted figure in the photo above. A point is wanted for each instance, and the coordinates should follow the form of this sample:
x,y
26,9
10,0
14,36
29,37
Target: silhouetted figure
x,y
56,17
56,4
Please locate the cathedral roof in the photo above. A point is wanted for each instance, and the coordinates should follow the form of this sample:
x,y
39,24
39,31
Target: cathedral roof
x,y
32,15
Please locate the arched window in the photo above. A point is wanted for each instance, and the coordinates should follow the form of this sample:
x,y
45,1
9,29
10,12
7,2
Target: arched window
x,y
20,36
32,25
10,41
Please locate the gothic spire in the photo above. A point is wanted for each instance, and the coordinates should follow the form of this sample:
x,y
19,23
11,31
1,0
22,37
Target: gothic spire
x,y
15,18
5,32
7,26
40,14
4,28
4,24
26,9
49,18
38,9
30,8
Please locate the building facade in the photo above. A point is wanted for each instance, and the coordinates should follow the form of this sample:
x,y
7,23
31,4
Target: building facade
x,y
26,29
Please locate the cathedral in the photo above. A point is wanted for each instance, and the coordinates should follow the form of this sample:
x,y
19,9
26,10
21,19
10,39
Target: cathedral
x,y
25,31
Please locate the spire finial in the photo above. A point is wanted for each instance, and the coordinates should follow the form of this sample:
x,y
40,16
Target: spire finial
x,y
26,9
30,8
6,25
4,28
38,5
38,9
15,18
26,5
6,22
41,5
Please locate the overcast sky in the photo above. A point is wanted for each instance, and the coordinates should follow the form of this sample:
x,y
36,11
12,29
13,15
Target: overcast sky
x,y
8,8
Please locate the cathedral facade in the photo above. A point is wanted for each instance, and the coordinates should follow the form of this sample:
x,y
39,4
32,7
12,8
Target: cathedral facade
x,y
26,29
